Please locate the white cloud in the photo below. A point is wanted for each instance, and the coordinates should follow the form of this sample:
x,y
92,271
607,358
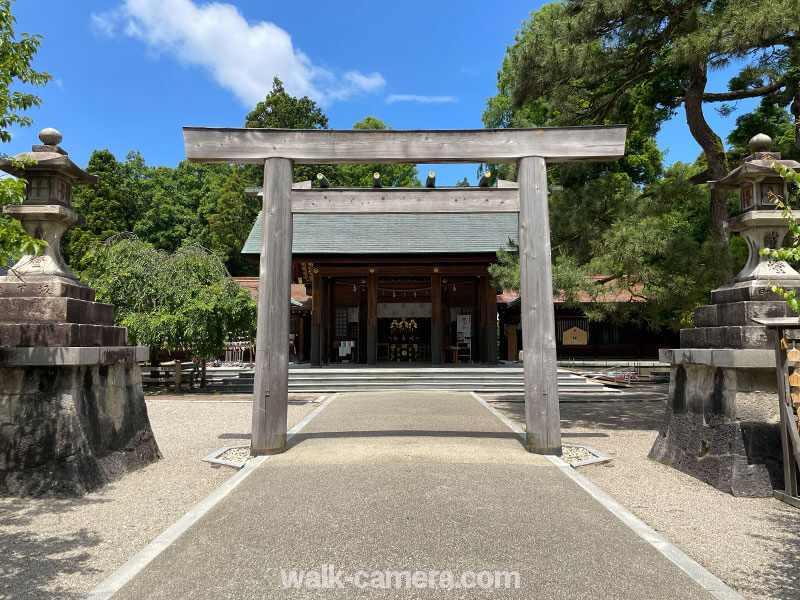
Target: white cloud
x,y
242,57
419,99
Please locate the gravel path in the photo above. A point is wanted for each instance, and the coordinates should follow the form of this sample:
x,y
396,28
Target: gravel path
x,y
63,548
753,544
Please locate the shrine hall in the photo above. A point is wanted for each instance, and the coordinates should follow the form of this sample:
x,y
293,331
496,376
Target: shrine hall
x,y
364,288
395,287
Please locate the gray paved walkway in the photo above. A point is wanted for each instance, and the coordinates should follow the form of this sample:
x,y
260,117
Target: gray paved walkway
x,y
410,481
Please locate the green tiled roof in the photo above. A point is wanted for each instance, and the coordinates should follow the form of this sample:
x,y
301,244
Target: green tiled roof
x,y
395,234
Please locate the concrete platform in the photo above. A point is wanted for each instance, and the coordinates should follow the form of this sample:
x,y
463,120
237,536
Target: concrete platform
x,y
406,481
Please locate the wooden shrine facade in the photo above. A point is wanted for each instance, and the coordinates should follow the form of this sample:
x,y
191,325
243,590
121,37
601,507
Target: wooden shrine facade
x,y
359,301
530,149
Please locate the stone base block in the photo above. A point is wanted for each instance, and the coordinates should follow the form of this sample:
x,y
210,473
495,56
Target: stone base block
x,y
753,336
55,310
14,287
739,313
67,430
60,334
722,426
758,290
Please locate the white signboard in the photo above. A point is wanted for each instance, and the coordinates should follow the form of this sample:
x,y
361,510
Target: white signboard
x,y
464,326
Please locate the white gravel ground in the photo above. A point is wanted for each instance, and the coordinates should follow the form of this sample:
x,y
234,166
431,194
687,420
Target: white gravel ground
x,y
753,544
574,454
63,548
236,454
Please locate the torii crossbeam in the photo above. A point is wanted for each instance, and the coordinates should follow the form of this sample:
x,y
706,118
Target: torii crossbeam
x,y
531,149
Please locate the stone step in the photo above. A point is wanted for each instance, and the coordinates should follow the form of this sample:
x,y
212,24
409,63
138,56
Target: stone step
x,y
346,387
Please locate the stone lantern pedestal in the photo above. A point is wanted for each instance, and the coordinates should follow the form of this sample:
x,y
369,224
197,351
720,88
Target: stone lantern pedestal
x,y
72,410
721,423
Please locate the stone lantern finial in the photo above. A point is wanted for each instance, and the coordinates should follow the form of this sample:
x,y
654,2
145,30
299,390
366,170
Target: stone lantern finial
x,y
50,136
760,142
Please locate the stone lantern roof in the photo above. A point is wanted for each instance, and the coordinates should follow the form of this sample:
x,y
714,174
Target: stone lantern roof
x,y
49,157
756,166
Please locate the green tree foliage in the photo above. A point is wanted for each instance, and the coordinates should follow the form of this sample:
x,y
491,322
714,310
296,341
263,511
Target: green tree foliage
x,y
230,225
180,300
599,61
16,71
767,118
391,175
163,206
650,245
203,204
110,207
280,110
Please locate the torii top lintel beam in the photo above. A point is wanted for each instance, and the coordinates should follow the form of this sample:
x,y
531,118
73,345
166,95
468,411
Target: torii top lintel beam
x,y
315,146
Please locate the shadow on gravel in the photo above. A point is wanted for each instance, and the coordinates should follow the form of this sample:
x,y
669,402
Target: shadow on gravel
x,y
29,563
595,415
234,436
779,535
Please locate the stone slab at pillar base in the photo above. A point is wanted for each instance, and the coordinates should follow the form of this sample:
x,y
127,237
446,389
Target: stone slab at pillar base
x,y
71,419
722,424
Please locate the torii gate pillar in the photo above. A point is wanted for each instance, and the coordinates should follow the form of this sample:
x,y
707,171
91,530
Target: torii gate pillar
x,y
542,420
272,336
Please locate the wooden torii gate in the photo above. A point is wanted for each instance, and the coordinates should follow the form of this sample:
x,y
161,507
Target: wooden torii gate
x,y
531,149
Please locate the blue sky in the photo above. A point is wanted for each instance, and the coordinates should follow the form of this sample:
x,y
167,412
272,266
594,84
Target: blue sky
x,y
128,74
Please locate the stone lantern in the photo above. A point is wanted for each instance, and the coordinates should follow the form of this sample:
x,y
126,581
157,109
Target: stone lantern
x,y
46,212
721,424
72,411
760,222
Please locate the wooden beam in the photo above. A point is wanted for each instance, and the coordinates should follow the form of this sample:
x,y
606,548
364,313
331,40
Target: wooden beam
x,y
271,388
315,146
538,320
405,200
400,271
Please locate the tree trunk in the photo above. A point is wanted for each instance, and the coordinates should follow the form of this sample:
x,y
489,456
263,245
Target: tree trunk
x,y
711,145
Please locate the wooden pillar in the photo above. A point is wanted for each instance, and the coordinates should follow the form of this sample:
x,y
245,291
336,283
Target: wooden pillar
x,y
372,319
491,323
316,317
538,320
178,373
436,319
325,320
271,392
479,326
